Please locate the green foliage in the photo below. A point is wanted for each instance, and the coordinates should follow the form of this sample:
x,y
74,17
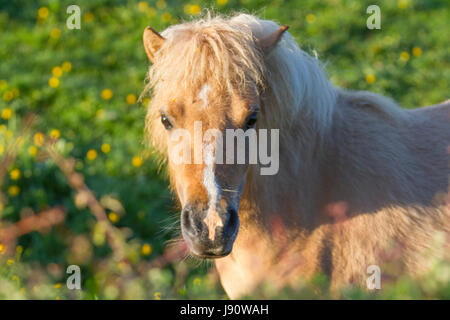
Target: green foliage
x,y
84,84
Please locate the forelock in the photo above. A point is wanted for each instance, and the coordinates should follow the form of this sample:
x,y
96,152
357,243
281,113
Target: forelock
x,y
220,52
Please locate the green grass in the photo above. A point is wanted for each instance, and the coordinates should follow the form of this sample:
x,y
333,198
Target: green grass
x,y
408,59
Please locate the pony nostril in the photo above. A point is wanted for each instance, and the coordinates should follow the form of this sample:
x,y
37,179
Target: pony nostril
x,y
190,223
232,222
186,221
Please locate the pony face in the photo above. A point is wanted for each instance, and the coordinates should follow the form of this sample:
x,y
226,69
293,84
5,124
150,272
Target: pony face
x,y
197,127
205,94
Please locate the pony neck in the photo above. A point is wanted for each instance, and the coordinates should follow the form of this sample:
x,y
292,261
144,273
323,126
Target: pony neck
x,y
337,165
294,195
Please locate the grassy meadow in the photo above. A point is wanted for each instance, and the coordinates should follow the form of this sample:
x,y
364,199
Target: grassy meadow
x,y
79,185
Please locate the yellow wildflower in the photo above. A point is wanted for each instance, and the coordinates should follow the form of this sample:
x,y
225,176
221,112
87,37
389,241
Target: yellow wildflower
x,y
57,71
43,12
370,79
194,9
66,66
91,154
88,17
403,4
157,295
106,148
55,33
222,2
13,191
113,217
7,113
131,98
146,249
417,51
106,94
57,285
55,134
136,161
142,6
14,174
32,150
53,82
39,139
404,56
310,18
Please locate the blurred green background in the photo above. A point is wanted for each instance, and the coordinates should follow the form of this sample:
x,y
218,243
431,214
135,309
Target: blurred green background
x,y
84,86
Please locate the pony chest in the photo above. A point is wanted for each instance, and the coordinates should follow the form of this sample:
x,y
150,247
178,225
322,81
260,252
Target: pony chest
x,y
250,264
240,272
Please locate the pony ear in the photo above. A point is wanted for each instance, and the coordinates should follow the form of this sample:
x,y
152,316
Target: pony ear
x,y
152,42
268,43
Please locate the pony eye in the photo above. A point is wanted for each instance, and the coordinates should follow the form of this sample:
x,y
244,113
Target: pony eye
x,y
166,122
251,120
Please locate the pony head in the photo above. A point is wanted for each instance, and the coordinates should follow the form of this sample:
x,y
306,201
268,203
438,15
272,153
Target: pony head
x,y
208,77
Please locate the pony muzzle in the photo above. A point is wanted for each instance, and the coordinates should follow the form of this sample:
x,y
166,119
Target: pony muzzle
x,y
209,234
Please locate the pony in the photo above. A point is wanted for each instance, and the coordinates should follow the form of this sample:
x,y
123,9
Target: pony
x,y
361,181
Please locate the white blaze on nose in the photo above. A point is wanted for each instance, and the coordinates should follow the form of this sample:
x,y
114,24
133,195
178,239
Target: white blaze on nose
x,y
212,219
203,95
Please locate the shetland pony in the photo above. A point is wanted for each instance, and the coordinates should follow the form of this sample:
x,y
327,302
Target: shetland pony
x,y
361,181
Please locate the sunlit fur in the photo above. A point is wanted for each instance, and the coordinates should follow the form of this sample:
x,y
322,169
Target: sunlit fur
x,y
359,176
